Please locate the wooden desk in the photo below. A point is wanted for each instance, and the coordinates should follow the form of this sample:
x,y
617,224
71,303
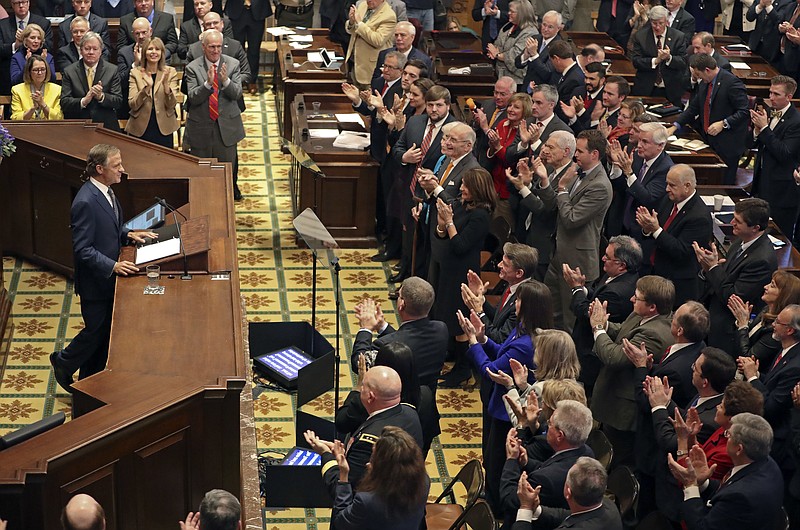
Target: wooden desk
x,y
302,79
435,42
161,426
344,199
581,39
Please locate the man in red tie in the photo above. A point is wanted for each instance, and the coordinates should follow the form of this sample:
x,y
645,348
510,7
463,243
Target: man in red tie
x,y
680,219
214,123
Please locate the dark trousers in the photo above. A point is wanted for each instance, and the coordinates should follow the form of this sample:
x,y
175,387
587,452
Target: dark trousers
x,y
88,351
249,32
623,443
494,458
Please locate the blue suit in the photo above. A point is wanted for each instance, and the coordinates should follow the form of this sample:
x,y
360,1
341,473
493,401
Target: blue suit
x,y
97,236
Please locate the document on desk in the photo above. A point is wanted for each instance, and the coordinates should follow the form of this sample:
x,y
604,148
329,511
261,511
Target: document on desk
x,y
352,140
350,117
159,250
323,133
314,57
736,65
301,38
280,31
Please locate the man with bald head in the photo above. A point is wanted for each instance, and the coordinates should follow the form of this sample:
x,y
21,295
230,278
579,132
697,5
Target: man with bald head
x,y
230,46
82,512
380,395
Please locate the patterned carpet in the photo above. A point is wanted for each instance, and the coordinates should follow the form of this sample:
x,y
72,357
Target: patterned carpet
x,y
275,283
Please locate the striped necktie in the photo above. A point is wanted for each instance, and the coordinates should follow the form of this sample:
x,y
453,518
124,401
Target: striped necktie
x,y
213,99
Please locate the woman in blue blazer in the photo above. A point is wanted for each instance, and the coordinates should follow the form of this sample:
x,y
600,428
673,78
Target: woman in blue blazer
x,y
534,310
32,42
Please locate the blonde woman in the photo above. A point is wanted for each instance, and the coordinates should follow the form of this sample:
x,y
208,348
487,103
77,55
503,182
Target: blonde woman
x,y
35,98
32,42
152,96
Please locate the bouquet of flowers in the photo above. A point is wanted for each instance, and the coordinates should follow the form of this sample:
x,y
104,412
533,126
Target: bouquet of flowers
x,y
6,142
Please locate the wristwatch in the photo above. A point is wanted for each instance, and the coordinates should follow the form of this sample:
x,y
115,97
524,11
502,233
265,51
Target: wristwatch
x,y
599,327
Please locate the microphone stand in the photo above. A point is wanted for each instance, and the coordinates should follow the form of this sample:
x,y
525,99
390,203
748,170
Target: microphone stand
x,y
336,355
165,204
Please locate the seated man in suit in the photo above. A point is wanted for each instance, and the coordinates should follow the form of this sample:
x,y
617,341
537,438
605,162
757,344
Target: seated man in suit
x,y
777,383
427,338
638,180
584,491
371,25
703,42
721,107
162,24
613,400
680,219
680,19
404,33
214,123
104,96
777,138
615,288
380,395
68,54
753,493
536,55
193,27
97,24
569,427
748,268
659,56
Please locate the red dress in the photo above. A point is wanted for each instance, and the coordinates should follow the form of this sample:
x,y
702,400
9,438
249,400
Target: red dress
x,y
507,133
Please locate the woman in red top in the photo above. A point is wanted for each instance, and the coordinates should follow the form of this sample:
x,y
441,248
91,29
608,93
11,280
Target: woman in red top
x,y
500,138
740,396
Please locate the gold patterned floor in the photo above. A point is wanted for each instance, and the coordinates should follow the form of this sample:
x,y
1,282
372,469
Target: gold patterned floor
x,y
275,283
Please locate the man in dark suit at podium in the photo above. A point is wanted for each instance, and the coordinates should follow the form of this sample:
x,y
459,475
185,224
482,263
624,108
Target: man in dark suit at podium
x,y
427,338
97,235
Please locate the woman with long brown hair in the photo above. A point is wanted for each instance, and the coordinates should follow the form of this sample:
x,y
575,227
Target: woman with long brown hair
x,y
393,493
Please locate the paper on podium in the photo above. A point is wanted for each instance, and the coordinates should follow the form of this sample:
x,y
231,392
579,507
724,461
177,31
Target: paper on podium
x,y
314,57
159,250
352,140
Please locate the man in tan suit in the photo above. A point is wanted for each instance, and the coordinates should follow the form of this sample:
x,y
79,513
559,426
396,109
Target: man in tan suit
x,y
371,24
613,399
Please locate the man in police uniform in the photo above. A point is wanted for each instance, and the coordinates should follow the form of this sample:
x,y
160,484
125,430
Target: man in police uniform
x,y
295,13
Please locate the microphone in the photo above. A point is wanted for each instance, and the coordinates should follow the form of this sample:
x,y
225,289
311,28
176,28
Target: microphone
x,y
165,204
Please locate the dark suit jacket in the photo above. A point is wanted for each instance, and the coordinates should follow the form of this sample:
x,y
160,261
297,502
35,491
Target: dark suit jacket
x,y
617,26
74,86
414,133
684,22
100,7
606,517
765,39
66,56
778,153
190,34
572,84
96,23
379,132
791,54
540,70
482,142
674,256
356,511
646,192
777,385
746,276
451,187
499,322
584,121
163,27
97,235
485,31
188,10
550,475
728,102
513,152
749,499
675,75
427,339
414,54
259,9
760,344
360,444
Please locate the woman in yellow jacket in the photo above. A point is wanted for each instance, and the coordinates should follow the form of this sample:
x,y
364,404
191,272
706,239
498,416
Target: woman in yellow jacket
x,y
36,98
152,96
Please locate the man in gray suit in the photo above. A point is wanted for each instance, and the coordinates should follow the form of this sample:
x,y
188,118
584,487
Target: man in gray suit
x,y
582,196
214,123
614,400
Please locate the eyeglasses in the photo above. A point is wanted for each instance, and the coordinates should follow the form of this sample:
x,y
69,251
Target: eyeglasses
x,y
39,70
778,322
449,138
639,299
20,3
389,66
606,258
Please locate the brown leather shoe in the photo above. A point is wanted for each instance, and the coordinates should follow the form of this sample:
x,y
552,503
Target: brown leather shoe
x,y
252,88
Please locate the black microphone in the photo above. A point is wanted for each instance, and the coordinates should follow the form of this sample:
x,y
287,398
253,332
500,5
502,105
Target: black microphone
x,y
165,204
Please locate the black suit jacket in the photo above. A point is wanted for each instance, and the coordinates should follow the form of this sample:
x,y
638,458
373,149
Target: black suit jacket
x,y
728,102
778,156
646,192
617,26
379,131
745,275
100,7
190,34
188,10
584,121
674,256
74,86
684,22
477,16
451,187
427,339
499,321
759,344
540,70
618,294
777,385
749,499
675,75
606,517
96,23
66,56
765,39
482,142
259,9
414,133
163,26
569,85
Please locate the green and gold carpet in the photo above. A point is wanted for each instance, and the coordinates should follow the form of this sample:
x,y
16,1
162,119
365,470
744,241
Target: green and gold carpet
x,y
276,286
